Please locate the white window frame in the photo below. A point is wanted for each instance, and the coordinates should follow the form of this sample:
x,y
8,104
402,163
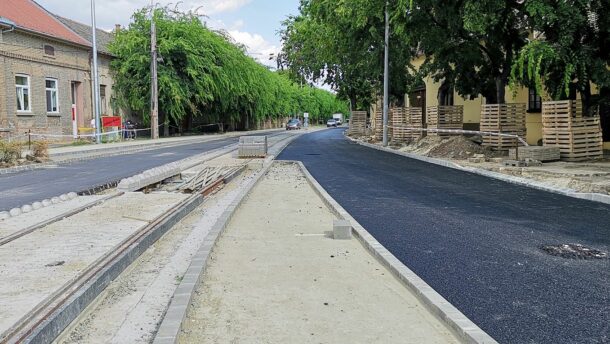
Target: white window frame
x,y
22,87
56,89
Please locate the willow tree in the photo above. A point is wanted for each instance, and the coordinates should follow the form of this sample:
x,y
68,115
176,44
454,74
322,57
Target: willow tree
x,y
202,74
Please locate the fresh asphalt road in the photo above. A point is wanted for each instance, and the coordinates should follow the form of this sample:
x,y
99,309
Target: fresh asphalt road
x,y
35,185
475,240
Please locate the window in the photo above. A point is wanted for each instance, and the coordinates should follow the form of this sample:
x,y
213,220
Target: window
x,y
445,94
52,99
534,101
22,85
49,50
103,107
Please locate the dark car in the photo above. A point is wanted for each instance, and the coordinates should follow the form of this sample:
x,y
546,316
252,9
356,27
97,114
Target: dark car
x,y
293,124
331,123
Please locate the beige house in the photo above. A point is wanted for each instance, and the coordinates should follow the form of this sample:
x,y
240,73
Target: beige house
x,y
45,71
432,94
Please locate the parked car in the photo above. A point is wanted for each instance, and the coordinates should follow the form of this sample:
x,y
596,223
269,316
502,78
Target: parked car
x,y
331,123
293,124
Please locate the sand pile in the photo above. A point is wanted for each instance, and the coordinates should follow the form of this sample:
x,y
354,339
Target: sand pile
x,y
455,147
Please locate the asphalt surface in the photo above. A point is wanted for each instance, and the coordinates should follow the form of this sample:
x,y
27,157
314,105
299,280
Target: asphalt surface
x,y
27,187
475,240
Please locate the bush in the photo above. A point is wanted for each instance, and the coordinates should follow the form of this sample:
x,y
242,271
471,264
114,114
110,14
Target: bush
x,y
10,152
40,149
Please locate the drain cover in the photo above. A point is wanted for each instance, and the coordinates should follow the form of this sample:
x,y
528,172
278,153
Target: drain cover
x,y
574,251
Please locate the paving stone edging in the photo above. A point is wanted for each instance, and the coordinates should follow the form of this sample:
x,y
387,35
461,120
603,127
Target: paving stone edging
x,y
169,329
595,197
464,328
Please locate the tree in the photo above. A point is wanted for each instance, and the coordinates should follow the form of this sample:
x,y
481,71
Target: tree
x,y
204,74
468,44
571,48
341,43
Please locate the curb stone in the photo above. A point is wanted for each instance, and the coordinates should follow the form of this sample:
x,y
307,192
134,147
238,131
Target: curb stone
x,y
466,330
595,197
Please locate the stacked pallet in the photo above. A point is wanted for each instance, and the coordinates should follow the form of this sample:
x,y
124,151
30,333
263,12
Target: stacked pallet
x,y
357,123
415,119
446,117
538,153
399,123
406,124
379,125
563,125
505,119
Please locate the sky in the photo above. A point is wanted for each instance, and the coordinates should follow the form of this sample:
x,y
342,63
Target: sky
x,y
253,23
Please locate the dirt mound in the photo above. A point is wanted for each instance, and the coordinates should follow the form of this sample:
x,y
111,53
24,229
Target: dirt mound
x,y
455,147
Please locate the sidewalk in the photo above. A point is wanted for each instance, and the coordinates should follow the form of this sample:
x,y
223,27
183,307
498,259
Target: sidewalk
x,y
582,177
276,276
93,148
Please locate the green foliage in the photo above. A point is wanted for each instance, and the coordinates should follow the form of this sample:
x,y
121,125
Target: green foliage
x,y
571,48
204,74
468,44
341,43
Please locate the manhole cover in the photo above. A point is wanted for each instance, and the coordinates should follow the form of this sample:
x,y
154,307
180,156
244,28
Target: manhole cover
x,y
574,251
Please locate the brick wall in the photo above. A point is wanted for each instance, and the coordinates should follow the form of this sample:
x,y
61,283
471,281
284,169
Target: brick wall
x,y
22,53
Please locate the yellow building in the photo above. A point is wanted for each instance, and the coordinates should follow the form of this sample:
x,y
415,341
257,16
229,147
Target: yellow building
x,y
428,95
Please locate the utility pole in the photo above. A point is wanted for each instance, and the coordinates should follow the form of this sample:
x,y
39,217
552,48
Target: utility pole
x,y
154,89
386,75
96,81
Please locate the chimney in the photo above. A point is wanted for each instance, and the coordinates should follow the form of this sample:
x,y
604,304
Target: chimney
x,y
117,28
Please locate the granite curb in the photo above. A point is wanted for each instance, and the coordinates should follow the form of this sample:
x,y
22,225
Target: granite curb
x,y
460,325
595,197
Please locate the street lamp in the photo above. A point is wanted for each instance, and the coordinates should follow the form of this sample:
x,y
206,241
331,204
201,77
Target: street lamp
x,y
96,81
386,75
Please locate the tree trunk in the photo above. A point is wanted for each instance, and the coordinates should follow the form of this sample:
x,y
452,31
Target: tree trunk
x,y
501,90
585,96
352,103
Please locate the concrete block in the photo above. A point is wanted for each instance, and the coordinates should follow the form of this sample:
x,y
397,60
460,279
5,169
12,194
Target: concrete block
x,y
15,212
37,205
72,195
46,202
342,230
55,200
64,197
26,208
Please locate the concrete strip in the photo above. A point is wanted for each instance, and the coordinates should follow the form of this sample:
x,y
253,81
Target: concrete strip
x,y
170,326
169,330
595,197
63,316
463,327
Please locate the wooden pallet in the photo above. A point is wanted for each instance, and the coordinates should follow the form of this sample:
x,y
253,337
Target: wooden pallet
x,y
506,119
357,123
549,153
563,125
444,117
404,120
379,125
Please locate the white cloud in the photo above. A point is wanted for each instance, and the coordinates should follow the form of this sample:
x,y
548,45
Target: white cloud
x,y
111,12
257,46
220,6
